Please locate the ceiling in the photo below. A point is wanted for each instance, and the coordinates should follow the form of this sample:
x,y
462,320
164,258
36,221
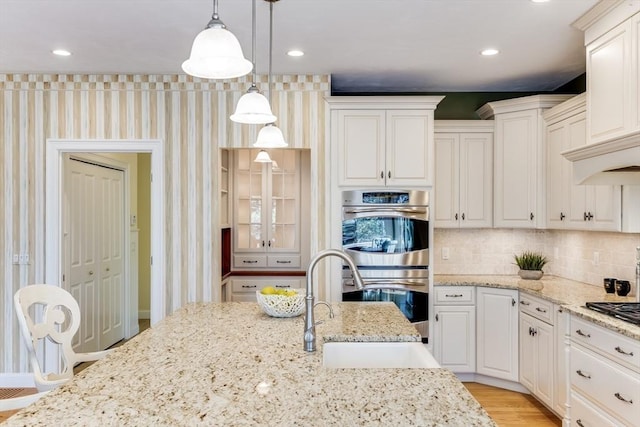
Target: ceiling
x,y
367,45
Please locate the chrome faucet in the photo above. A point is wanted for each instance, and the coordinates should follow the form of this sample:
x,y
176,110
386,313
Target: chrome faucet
x,y
309,322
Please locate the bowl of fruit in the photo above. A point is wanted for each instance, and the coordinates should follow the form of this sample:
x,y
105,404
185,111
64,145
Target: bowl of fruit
x,y
281,302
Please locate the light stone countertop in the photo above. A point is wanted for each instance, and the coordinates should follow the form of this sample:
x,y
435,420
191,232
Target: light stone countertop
x,y
229,364
571,295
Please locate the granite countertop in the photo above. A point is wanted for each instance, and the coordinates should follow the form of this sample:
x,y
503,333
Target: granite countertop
x,y
569,294
230,364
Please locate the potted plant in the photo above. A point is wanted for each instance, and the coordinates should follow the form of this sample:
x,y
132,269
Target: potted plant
x,y
530,264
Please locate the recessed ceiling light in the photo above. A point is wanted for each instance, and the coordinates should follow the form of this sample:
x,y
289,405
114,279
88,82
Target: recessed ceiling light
x,y
295,52
539,1
489,52
61,52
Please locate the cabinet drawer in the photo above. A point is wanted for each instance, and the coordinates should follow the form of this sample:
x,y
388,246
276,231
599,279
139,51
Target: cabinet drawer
x,y
252,285
455,295
613,388
287,261
249,261
536,307
617,347
584,414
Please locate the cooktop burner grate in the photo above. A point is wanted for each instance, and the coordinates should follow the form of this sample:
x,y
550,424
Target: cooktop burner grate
x,y
627,311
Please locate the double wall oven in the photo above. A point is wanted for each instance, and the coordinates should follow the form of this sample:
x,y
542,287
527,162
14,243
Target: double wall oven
x,y
386,233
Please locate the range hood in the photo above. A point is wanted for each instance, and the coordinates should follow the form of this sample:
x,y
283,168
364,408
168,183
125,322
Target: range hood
x,y
614,162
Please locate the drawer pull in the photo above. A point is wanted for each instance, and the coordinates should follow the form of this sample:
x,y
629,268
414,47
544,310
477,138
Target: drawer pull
x,y
283,262
453,295
617,395
249,286
583,375
541,310
579,422
582,334
524,303
251,261
283,286
621,351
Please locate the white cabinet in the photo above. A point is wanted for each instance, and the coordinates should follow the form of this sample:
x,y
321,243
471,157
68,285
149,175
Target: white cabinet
x,y
463,174
243,289
537,347
570,206
267,210
605,374
455,328
383,141
518,159
497,333
613,71
225,187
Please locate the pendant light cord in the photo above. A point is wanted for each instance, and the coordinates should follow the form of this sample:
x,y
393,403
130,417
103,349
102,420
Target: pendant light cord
x,y
270,45
253,41
215,9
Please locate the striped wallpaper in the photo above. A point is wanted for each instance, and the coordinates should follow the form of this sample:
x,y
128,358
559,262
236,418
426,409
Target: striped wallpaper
x,y
189,115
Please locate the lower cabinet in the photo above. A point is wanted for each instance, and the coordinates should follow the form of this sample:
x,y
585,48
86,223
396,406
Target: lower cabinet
x,y
497,333
455,328
537,357
243,289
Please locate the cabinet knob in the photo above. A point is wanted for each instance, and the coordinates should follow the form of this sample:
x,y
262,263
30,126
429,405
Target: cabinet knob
x,y
90,272
585,216
456,217
531,216
389,174
562,216
463,216
513,302
590,216
437,318
381,174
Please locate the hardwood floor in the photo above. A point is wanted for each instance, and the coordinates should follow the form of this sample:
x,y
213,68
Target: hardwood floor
x,y
509,408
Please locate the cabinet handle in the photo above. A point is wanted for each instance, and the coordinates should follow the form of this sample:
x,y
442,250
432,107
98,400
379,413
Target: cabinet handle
x,y
463,216
381,174
283,286
590,216
579,422
456,217
524,303
389,174
263,243
583,375
513,302
621,351
531,216
283,262
249,286
562,216
251,261
269,243
437,318
541,310
453,295
622,398
530,331
585,216
582,334
560,310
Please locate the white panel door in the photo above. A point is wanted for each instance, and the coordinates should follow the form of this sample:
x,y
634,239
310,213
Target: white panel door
x,y
476,180
409,148
455,337
94,231
447,186
557,178
361,135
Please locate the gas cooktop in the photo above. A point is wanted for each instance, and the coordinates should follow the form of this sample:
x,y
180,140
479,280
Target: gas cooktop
x,y
627,311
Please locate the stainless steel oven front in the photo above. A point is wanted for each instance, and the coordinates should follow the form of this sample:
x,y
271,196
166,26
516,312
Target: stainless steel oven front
x,y
386,233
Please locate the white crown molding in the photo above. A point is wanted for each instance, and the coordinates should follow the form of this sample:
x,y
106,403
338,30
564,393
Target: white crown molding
x,y
490,109
570,107
383,102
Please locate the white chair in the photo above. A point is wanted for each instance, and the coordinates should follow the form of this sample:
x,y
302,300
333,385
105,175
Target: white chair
x,y
60,321
13,403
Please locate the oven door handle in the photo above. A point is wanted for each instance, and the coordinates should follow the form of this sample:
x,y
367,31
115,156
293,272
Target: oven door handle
x,y
414,211
391,283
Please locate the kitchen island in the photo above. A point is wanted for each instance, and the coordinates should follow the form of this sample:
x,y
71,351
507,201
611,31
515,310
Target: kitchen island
x,y
230,364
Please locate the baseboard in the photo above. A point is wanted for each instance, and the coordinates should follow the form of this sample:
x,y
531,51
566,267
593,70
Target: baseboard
x,y
17,381
495,382
144,314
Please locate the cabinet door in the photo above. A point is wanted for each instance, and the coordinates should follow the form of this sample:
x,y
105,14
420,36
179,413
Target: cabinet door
x,y
604,206
558,180
476,180
447,195
250,187
609,88
561,320
361,135
409,148
544,385
497,333
455,337
284,196
527,352
516,162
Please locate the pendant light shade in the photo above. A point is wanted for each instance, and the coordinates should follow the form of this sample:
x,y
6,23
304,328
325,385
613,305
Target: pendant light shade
x,y
216,53
270,136
253,108
262,157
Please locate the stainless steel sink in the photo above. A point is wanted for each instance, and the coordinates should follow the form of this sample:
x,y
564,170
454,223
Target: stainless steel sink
x,y
377,355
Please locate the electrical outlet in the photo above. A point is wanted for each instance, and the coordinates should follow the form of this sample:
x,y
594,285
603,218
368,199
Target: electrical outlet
x,y
445,253
596,258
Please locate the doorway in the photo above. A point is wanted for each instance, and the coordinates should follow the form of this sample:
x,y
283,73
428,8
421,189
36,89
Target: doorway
x,y
55,151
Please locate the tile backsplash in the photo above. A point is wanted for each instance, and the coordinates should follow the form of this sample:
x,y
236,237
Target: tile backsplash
x,y
578,255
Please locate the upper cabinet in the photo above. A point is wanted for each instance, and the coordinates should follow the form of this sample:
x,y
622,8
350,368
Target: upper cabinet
x,y
519,159
383,141
573,206
463,187
612,39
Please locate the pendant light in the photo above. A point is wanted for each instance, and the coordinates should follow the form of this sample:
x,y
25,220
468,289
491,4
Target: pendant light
x,y
216,52
253,107
262,157
270,136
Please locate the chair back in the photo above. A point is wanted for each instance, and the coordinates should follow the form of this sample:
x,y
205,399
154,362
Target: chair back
x,y
48,312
